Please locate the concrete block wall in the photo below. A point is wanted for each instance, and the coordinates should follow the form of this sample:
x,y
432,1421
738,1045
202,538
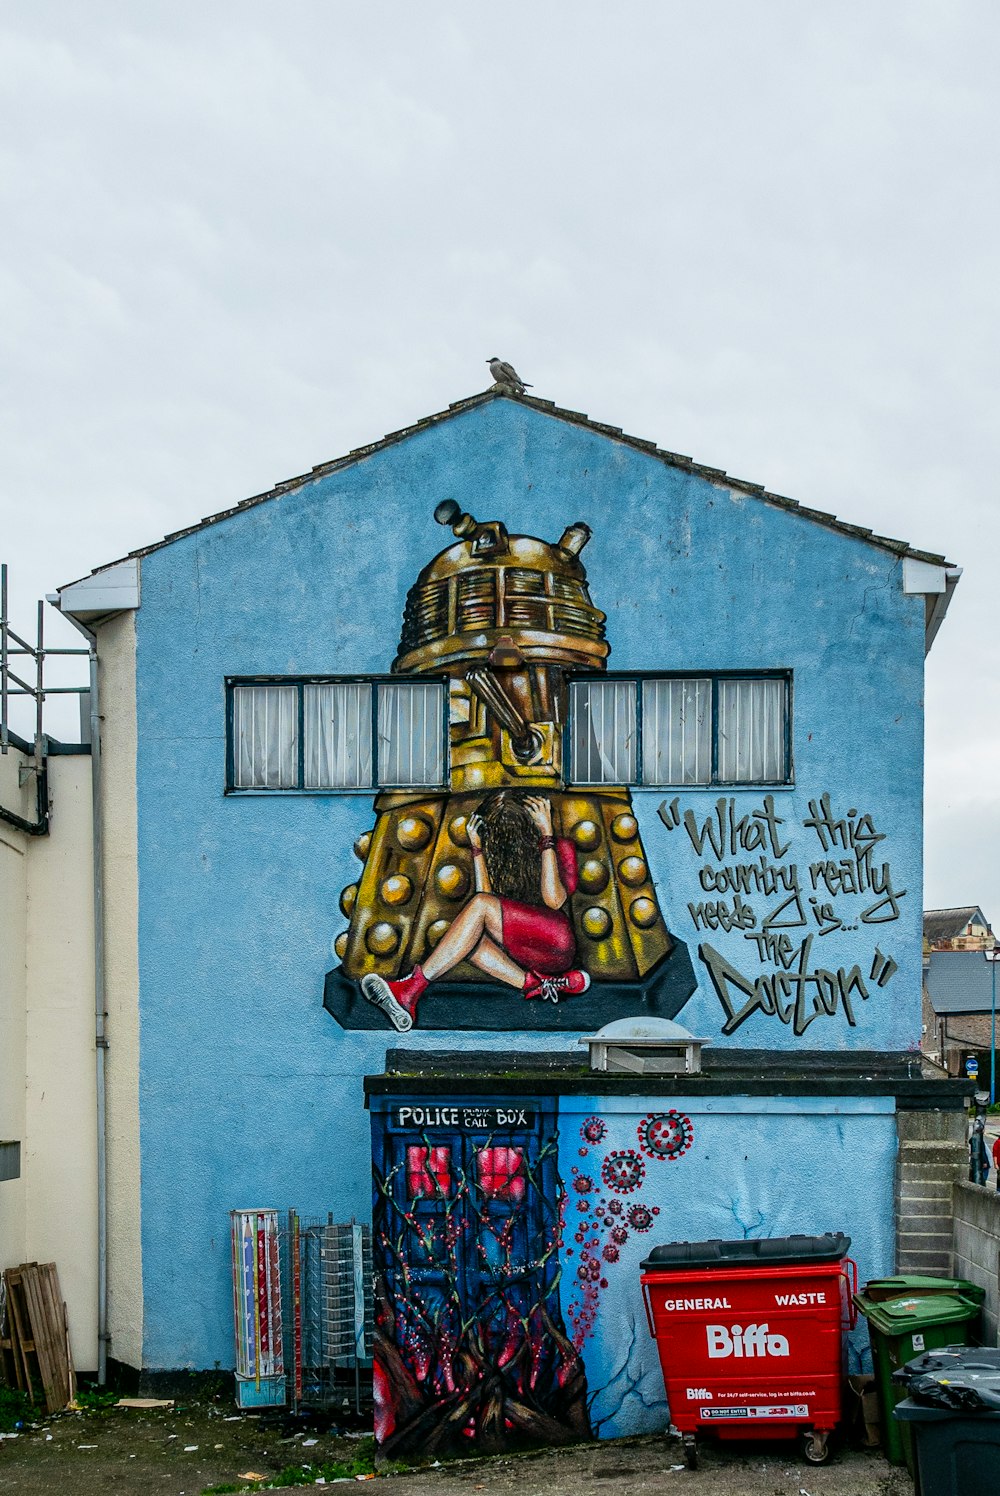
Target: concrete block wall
x,y
932,1155
976,1253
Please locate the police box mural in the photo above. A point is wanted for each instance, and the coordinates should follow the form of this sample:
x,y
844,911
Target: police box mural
x,y
491,895
470,1348
509,1237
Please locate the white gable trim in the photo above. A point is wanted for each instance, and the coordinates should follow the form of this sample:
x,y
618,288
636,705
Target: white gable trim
x,y
113,590
923,577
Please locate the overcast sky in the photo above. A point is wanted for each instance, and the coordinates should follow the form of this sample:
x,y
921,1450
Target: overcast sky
x,y
240,239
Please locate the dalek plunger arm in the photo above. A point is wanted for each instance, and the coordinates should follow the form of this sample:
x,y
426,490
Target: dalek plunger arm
x,y
523,739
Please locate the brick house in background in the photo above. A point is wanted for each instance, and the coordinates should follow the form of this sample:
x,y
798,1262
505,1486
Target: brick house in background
x,y
965,929
958,1006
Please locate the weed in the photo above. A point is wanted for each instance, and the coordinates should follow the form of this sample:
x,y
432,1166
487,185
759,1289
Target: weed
x,y
14,1409
363,1463
93,1400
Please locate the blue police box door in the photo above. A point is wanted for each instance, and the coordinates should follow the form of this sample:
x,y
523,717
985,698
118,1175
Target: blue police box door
x,y
470,1345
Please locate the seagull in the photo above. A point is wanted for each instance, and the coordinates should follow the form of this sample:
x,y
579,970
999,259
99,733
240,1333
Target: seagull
x,y
507,375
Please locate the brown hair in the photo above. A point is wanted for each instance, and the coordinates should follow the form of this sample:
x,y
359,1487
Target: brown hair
x,y
511,847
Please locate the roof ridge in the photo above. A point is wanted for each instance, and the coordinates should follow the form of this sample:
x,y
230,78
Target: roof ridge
x,y
545,407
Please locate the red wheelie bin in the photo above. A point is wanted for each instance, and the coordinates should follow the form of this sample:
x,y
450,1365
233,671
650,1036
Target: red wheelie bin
x,y
751,1336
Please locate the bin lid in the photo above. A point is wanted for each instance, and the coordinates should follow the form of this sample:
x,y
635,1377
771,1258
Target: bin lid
x,y
912,1284
767,1251
964,1377
971,1383
911,1411
909,1315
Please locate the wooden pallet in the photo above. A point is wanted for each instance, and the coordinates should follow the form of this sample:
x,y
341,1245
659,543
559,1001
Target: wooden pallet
x,y
36,1350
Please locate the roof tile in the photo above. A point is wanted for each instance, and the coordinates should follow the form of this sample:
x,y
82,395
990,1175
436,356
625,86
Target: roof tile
x,y
577,418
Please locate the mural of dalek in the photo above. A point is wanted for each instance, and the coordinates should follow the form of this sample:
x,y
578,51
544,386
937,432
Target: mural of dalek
x,y
504,618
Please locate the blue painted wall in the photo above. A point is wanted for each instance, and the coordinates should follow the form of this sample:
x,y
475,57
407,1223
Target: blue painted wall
x,y
752,1168
250,1094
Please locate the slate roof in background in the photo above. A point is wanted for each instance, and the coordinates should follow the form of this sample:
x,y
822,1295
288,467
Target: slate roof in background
x,y
572,418
949,924
960,982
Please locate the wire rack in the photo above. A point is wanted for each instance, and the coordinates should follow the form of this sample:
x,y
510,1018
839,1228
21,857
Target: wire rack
x,y
327,1310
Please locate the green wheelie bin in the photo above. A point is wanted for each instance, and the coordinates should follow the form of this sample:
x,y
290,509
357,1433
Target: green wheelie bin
x,y
900,1329
919,1285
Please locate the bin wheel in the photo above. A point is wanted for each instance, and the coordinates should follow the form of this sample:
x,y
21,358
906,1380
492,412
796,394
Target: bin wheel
x,y
815,1446
691,1451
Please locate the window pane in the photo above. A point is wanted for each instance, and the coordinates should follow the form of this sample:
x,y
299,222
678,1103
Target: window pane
x,y
501,1173
410,733
428,1172
602,716
751,731
266,737
337,721
677,732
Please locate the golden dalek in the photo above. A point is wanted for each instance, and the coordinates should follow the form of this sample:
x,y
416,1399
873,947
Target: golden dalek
x,y
504,618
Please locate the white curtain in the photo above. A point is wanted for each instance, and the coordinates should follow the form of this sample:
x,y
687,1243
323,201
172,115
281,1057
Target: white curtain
x,y
751,731
677,732
410,733
603,717
266,737
337,724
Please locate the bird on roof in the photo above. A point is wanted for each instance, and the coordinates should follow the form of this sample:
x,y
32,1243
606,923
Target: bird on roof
x,y
505,374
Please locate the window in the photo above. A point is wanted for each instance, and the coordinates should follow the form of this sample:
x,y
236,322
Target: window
x,y
428,1173
681,730
501,1173
336,735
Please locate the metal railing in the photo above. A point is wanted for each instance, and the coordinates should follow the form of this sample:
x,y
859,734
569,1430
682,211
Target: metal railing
x,y
28,679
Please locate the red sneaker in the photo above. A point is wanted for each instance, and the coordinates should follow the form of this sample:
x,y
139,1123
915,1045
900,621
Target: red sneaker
x,y
554,989
398,1000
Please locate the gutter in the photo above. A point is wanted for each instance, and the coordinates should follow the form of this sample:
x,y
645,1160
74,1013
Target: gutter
x,y
100,1013
939,607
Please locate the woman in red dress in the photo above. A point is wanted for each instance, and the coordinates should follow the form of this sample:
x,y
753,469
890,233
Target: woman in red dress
x,y
515,928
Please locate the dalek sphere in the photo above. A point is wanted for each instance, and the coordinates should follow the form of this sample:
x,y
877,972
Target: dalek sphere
x,y
504,618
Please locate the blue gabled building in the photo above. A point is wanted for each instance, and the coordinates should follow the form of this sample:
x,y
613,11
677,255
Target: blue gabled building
x,y
508,659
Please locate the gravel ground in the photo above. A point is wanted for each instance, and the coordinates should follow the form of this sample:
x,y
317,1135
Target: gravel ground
x,y
179,1451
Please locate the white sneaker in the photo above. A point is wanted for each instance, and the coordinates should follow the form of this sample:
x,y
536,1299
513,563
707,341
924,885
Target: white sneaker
x,y
376,990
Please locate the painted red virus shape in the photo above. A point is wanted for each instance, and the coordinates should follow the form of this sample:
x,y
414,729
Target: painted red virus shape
x,y
639,1217
593,1130
619,1235
583,1184
610,1253
615,1207
623,1171
665,1135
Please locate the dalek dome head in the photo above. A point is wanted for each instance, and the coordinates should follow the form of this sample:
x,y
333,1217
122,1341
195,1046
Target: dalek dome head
x,y
492,589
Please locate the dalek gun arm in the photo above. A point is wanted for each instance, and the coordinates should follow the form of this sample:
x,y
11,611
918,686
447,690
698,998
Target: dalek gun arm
x,y
524,740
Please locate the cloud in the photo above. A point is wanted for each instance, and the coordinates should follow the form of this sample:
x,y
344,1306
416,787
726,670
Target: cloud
x,y
239,242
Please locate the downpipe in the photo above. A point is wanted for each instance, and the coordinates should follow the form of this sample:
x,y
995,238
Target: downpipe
x,y
100,1013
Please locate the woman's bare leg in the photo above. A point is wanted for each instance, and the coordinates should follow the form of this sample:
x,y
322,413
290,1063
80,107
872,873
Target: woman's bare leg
x,y
481,916
494,960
